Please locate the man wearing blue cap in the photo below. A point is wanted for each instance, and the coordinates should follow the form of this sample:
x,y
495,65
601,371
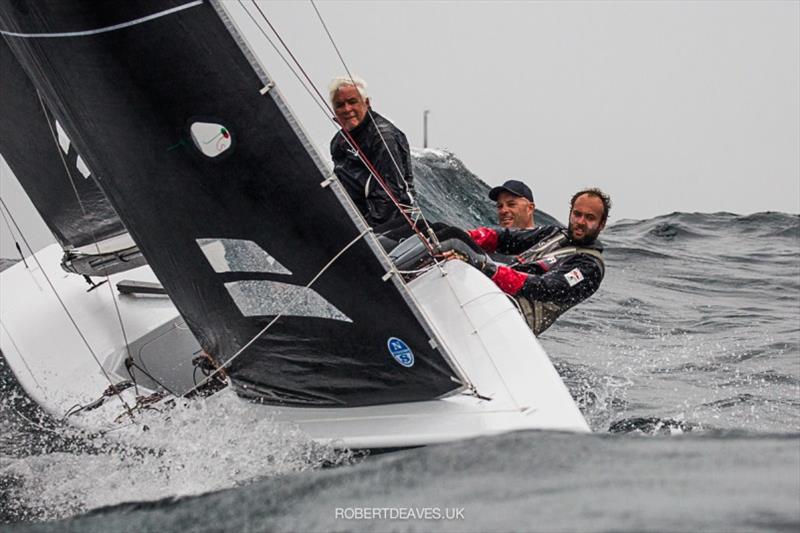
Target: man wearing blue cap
x,y
514,202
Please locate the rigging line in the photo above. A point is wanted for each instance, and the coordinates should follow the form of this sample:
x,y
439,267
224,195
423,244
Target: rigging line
x,y
85,215
149,375
66,310
286,61
294,59
351,141
421,216
318,99
369,111
16,242
280,314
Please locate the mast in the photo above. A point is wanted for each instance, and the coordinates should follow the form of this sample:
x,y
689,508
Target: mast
x,y
425,128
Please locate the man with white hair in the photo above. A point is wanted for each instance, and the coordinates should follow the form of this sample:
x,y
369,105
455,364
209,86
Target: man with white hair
x,y
367,135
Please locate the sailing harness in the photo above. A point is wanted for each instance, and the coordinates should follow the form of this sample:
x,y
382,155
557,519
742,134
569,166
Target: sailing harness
x,y
547,254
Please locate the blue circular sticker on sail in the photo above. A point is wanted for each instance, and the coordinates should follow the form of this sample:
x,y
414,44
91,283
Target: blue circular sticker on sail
x,y
401,352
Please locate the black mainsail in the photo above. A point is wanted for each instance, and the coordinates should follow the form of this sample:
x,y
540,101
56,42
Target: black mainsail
x,y
221,191
47,165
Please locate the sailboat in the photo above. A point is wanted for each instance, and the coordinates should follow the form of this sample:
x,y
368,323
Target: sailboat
x,y
161,113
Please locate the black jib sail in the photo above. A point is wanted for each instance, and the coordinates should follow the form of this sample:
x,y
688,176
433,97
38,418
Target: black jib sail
x,y
48,167
221,190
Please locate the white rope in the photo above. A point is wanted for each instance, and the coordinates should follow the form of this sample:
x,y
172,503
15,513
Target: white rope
x,y
279,315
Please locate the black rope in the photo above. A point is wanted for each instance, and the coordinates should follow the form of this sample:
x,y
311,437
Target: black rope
x,y
130,363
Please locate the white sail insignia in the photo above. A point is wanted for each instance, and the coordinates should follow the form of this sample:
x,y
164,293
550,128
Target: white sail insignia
x,y
239,255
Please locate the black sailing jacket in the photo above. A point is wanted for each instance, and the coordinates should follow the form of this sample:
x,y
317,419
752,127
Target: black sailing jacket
x,y
367,194
551,283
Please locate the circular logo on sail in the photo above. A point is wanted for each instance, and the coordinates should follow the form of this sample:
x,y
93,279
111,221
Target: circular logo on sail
x,y
401,352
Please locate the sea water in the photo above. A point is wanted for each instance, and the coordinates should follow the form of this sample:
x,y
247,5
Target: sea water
x,y
686,364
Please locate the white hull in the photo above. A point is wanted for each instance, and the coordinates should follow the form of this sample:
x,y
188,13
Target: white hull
x,y
517,385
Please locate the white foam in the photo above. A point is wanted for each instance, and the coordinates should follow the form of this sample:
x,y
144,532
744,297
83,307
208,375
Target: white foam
x,y
436,152
196,447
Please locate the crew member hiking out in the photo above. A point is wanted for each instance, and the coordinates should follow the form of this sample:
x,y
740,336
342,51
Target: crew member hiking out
x,y
551,269
382,144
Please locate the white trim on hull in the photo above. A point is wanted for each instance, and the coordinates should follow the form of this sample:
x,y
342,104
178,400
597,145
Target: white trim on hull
x,y
517,387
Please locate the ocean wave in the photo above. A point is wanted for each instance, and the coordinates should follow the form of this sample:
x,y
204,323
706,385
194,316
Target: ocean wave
x,y
694,328
653,425
745,397
200,446
766,377
672,230
6,263
692,225
630,253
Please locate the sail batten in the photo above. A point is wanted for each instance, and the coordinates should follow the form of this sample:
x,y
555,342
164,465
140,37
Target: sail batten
x,y
128,100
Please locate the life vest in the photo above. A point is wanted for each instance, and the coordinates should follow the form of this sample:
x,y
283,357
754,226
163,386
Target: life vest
x,y
549,253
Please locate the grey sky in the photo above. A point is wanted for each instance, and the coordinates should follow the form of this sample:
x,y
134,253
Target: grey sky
x,y
669,106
